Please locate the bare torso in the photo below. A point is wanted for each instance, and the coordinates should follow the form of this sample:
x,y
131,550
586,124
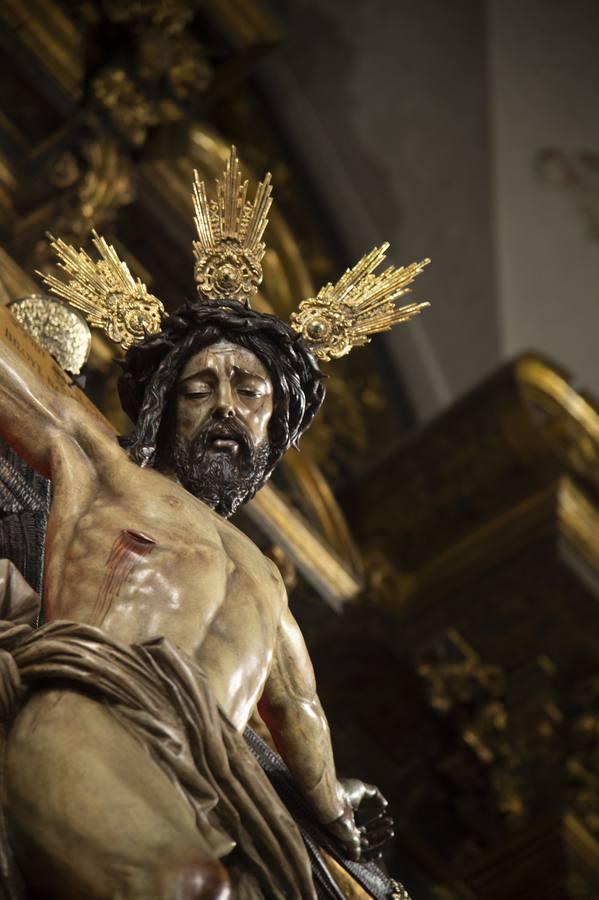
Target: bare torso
x,y
131,551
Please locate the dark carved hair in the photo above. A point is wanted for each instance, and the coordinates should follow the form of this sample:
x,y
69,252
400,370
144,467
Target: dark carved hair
x,y
152,367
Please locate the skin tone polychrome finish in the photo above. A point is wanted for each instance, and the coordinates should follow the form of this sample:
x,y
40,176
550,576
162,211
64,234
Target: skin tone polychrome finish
x,y
177,570
220,382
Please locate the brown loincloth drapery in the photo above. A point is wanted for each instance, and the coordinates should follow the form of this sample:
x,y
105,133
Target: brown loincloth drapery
x,y
165,700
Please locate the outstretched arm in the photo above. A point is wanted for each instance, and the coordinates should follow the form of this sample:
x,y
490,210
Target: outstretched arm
x,y
291,709
35,407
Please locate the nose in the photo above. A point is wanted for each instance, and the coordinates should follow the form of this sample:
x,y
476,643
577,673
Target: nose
x,y
224,408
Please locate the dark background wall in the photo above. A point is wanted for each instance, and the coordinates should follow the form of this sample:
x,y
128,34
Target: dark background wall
x,y
466,132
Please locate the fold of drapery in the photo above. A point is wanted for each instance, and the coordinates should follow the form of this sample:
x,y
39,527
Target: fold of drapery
x,y
165,699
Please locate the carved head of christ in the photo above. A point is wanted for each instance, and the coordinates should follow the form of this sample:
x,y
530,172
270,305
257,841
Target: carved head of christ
x,y
217,397
220,446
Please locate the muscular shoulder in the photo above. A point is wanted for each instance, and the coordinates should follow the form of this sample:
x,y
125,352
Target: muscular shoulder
x,y
277,578
246,555
86,436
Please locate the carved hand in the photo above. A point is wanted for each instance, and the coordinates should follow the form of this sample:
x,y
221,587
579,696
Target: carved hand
x,y
364,827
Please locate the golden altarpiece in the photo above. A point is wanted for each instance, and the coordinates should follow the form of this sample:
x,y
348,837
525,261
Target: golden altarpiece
x,y
449,591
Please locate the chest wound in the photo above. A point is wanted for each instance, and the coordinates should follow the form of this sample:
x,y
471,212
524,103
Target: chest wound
x,y
128,550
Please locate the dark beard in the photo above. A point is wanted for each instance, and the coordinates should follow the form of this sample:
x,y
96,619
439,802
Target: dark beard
x,y
222,480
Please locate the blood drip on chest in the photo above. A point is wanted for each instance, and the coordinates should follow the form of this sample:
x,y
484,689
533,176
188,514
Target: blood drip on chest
x,y
126,553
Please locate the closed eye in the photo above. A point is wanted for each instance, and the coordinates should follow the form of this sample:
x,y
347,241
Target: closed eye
x,y
249,392
198,395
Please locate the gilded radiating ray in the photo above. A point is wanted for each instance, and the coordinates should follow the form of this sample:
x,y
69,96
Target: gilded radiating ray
x,y
344,315
228,253
105,291
229,248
